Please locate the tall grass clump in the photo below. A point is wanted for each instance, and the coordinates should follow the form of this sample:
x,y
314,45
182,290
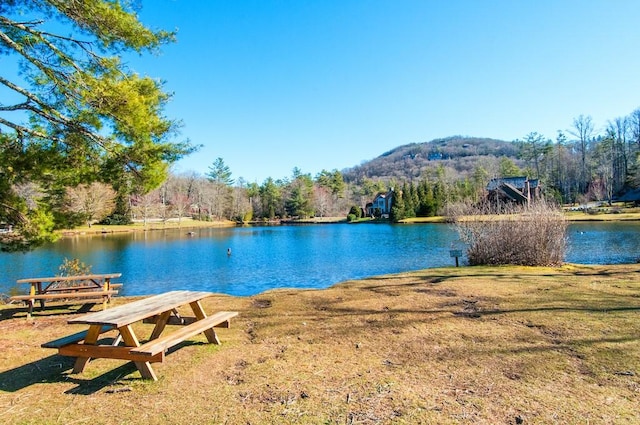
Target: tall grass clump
x,y
528,235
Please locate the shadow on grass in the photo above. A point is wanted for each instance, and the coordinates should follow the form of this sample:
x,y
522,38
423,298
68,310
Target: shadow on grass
x,y
49,311
380,285
57,369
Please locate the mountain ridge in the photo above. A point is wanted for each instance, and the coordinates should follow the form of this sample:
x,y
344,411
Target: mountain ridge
x,y
458,154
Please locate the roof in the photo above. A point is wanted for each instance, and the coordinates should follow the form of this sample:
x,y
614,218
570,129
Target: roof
x,y
517,182
384,194
631,196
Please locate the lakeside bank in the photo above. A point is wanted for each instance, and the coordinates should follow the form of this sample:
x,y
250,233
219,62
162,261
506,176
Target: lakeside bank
x,y
444,345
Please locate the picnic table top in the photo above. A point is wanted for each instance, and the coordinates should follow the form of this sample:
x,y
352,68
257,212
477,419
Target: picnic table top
x,y
127,314
69,278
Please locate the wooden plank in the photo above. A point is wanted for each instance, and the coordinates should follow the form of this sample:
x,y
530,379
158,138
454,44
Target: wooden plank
x,y
85,288
160,324
210,333
70,278
131,340
138,310
163,343
107,352
73,338
91,338
79,294
182,320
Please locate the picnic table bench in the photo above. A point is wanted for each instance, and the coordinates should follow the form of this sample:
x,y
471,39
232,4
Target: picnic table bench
x,y
83,288
161,310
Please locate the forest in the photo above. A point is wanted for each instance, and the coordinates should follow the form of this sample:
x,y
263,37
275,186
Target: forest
x,y
582,164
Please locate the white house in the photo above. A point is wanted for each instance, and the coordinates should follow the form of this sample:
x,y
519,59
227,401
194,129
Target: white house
x,y
381,204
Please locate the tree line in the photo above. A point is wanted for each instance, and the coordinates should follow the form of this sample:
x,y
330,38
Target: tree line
x,y
218,196
582,164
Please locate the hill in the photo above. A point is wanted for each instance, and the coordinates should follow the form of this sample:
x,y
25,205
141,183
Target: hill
x,y
458,154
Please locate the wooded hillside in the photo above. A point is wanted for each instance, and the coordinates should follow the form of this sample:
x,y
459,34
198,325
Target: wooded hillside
x,y
415,160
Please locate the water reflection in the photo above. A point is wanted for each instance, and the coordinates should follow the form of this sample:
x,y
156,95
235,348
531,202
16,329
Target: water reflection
x,y
285,256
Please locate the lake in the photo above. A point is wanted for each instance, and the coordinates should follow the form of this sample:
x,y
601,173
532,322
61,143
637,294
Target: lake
x,y
297,256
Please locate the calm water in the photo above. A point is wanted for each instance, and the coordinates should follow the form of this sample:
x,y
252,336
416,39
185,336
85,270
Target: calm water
x,y
262,258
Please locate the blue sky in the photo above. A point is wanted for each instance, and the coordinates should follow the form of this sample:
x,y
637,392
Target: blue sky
x,y
273,85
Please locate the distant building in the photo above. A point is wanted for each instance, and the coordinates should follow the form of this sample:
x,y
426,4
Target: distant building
x,y
434,156
631,196
381,204
514,189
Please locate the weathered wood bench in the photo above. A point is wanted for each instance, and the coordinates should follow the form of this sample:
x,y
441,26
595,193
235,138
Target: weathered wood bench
x,y
166,342
73,338
84,297
86,289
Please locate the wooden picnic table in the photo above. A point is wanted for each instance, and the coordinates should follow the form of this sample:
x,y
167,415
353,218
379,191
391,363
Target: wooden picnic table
x,y
159,309
82,287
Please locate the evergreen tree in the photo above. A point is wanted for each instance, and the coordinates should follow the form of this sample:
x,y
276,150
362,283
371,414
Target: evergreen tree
x,y
90,118
398,208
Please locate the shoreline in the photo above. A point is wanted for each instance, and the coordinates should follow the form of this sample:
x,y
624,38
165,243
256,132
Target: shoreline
x,y
187,224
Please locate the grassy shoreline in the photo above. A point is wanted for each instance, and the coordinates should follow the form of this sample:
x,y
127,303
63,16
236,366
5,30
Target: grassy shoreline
x,y
188,224
448,345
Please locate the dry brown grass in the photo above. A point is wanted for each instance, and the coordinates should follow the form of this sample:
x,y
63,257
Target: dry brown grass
x,y
500,345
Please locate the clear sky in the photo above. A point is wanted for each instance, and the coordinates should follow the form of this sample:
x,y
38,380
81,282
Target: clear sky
x,y
327,84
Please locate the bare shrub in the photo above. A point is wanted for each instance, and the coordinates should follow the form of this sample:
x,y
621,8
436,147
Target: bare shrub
x,y
73,267
533,235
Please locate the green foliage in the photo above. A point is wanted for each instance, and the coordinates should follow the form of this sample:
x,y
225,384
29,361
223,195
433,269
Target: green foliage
x,y
333,181
534,149
220,173
508,168
90,117
356,212
298,203
35,230
116,219
271,197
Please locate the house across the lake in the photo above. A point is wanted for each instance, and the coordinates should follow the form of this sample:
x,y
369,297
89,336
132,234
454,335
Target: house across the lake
x,y
514,189
632,196
381,205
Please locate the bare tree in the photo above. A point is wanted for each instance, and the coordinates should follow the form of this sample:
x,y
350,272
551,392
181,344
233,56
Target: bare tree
x,y
92,202
322,200
583,130
147,205
618,130
177,194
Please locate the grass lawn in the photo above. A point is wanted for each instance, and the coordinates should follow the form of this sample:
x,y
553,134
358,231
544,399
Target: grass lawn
x,y
503,345
185,223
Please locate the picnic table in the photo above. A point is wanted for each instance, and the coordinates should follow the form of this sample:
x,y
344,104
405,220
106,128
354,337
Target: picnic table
x,y
80,287
162,310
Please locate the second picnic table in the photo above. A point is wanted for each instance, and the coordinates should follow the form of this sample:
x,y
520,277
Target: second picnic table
x,y
81,287
159,309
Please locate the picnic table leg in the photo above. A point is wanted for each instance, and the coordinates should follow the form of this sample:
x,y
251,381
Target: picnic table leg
x,y
161,323
38,291
130,340
105,288
200,314
91,338
30,304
